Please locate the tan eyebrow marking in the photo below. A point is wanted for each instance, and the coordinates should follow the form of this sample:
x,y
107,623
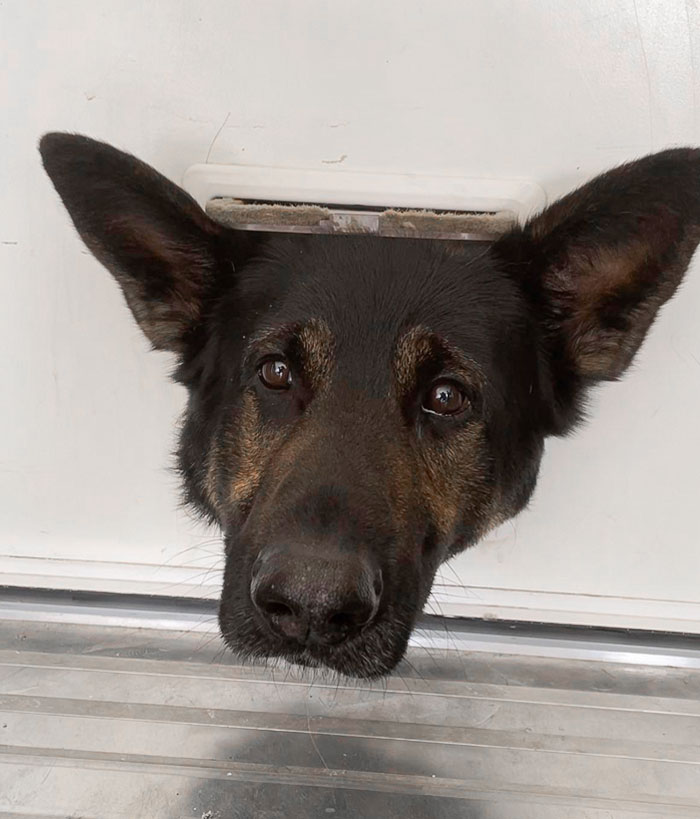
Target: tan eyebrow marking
x,y
318,349
412,349
416,346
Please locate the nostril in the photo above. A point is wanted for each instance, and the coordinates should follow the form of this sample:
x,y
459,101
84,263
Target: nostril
x,y
283,618
342,621
343,624
275,608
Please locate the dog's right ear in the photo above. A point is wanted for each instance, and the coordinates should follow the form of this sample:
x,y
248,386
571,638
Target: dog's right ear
x,y
167,255
597,265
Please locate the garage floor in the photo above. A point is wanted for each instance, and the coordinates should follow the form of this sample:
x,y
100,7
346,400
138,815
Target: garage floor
x,y
113,708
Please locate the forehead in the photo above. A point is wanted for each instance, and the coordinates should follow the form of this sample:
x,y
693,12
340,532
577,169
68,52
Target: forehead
x,y
370,291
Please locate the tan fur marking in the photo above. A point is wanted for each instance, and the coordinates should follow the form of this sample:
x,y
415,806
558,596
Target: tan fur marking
x,y
451,475
252,441
583,283
253,447
251,444
317,343
454,481
412,350
416,346
211,477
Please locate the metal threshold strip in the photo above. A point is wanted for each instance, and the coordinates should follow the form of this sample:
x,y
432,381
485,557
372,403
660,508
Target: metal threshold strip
x,y
128,707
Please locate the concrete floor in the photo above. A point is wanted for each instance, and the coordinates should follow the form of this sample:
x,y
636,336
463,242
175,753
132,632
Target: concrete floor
x,y
103,715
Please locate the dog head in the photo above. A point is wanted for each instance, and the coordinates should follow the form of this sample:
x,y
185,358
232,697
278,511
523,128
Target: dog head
x,y
360,409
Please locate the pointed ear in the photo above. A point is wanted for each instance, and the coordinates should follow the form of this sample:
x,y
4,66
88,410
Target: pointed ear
x,y
598,264
164,251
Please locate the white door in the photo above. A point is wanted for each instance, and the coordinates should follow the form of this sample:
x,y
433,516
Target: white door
x,y
555,91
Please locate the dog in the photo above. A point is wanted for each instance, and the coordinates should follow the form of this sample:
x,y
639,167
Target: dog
x,y
361,408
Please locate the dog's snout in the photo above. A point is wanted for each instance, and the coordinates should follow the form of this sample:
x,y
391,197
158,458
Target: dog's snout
x,y
315,600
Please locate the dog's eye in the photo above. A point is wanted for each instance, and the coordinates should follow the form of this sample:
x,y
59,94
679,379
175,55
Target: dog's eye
x,y
445,398
275,374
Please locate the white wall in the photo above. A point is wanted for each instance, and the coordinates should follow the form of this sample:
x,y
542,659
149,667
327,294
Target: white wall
x,y
552,90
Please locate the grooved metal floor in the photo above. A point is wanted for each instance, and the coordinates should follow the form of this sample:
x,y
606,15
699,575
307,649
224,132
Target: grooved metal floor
x,y
120,720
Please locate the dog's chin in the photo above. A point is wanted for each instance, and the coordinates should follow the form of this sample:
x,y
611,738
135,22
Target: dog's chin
x,y
369,656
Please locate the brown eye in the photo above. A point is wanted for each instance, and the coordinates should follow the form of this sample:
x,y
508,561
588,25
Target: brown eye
x,y
445,398
275,374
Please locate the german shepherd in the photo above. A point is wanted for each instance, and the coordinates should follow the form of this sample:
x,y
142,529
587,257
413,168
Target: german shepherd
x,y
361,409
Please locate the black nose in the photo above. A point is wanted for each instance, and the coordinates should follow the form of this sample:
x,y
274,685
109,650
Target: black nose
x,y
315,600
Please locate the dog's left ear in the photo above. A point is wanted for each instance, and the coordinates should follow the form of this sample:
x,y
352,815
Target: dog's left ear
x,y
598,264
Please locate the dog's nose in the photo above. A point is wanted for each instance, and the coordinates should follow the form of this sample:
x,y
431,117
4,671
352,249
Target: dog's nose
x,y
315,600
